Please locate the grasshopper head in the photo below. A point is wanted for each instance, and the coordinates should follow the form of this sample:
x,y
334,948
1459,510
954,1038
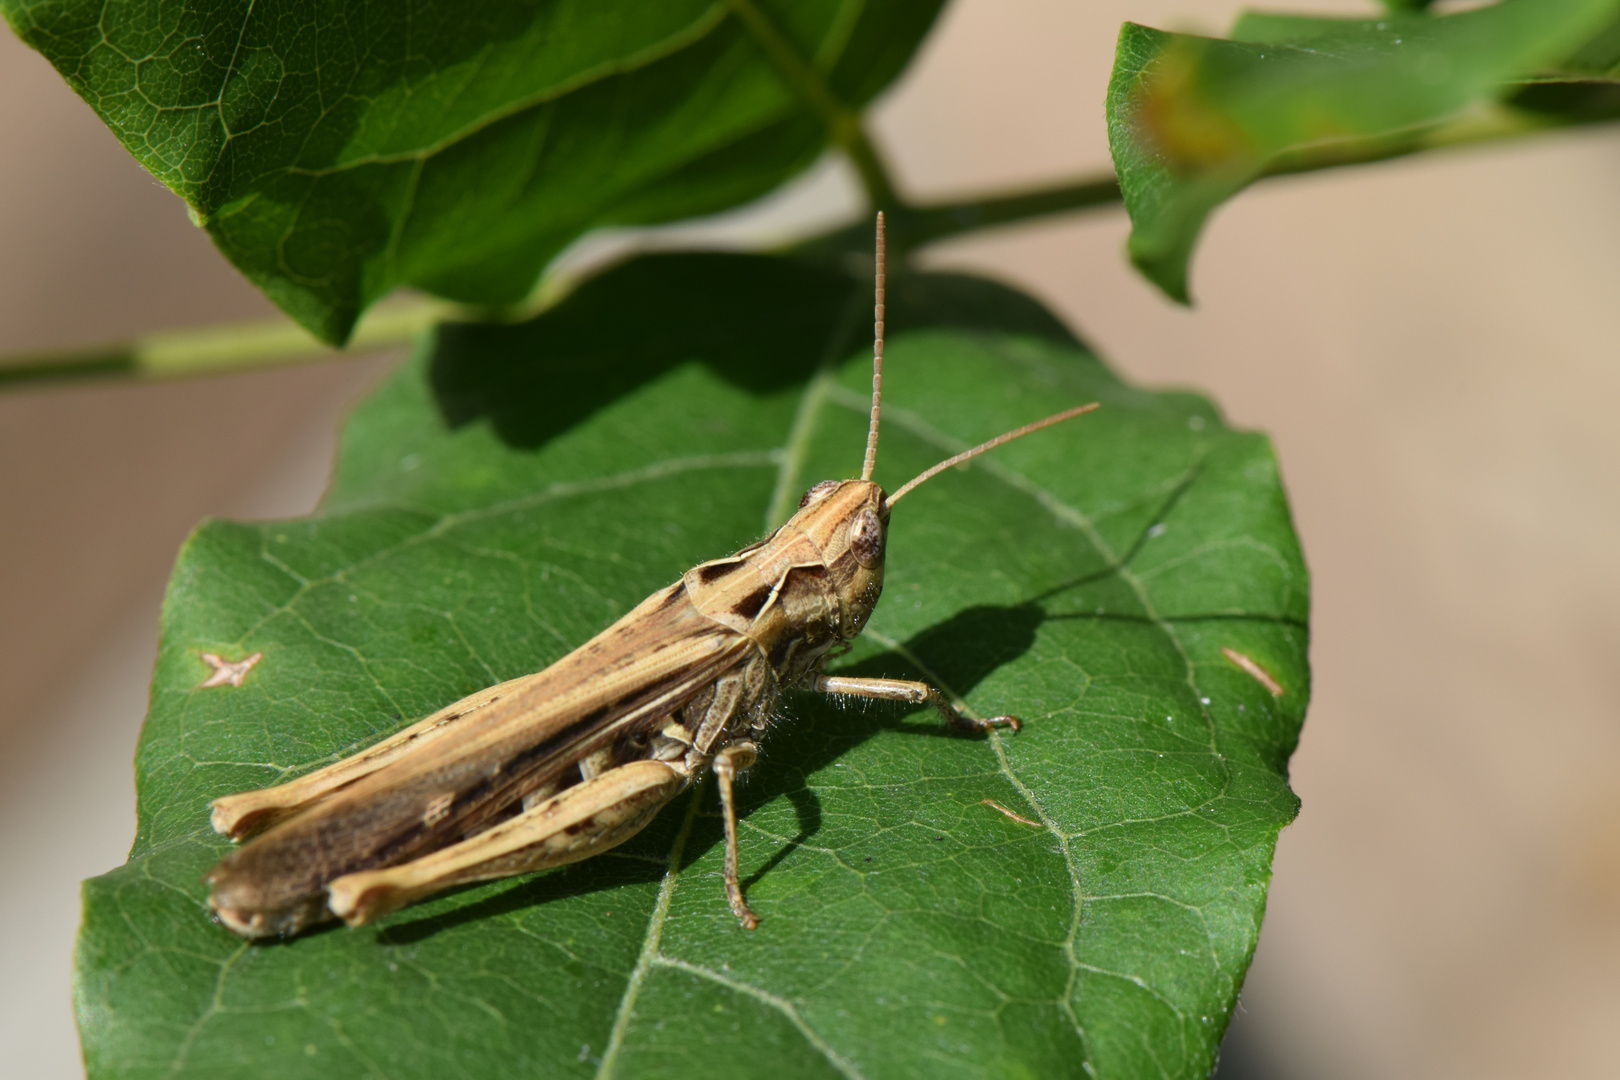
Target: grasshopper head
x,y
848,521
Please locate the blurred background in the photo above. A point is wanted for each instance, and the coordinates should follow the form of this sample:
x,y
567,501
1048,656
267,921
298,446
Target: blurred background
x,y
1431,344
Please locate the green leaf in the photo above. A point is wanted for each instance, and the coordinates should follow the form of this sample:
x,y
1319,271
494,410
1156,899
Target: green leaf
x,y
337,149
1192,121
1598,60
513,489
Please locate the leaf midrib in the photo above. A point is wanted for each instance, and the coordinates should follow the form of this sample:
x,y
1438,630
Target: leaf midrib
x,y
701,28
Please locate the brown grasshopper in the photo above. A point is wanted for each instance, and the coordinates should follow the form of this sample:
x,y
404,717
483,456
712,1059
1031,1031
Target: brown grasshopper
x,y
561,765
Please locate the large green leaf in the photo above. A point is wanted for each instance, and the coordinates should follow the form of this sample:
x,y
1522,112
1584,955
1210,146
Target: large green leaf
x,y
513,489
1194,120
336,149
1598,60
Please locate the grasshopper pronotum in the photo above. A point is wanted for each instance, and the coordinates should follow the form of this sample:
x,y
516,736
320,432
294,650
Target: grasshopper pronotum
x,y
557,766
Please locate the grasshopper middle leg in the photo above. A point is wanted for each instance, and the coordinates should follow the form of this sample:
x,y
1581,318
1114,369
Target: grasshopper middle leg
x,y
737,756
918,693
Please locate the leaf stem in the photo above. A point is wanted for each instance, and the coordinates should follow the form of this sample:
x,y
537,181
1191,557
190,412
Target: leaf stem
x,y
912,227
220,348
229,347
844,125
930,223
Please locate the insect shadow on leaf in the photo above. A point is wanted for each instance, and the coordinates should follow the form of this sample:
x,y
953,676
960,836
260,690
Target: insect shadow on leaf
x,y
614,870
960,652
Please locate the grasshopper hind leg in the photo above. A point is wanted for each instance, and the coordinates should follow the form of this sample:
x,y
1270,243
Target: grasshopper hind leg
x,y
584,820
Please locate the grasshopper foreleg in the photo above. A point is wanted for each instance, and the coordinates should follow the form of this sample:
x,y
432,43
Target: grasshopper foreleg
x,y
918,693
739,755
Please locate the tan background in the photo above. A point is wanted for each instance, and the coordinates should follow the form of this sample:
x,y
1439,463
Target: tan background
x,y
1431,343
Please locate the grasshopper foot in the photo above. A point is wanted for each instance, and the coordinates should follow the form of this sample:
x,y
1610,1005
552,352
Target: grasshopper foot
x,y
972,725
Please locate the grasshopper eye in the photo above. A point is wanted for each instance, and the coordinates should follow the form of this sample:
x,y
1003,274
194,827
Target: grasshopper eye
x,y
866,539
817,492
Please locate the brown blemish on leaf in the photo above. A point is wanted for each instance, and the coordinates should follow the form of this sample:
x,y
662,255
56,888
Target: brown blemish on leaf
x,y
1172,114
227,672
1021,820
1254,670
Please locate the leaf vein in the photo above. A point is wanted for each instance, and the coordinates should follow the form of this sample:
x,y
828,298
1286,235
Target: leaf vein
x,y
838,1061
1076,887
649,948
690,36
216,1005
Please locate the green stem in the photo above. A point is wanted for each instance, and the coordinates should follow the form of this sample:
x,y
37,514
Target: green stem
x,y
231,347
927,224
863,153
844,125
218,349
912,227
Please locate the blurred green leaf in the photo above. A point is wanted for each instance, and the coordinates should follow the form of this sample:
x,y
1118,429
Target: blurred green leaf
x,y
1194,120
337,149
1598,60
515,488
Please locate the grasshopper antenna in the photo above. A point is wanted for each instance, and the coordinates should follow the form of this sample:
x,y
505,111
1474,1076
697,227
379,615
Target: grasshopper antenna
x,y
1004,437
877,360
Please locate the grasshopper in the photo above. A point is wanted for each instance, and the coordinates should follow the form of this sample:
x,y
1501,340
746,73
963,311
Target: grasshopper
x,y
564,764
